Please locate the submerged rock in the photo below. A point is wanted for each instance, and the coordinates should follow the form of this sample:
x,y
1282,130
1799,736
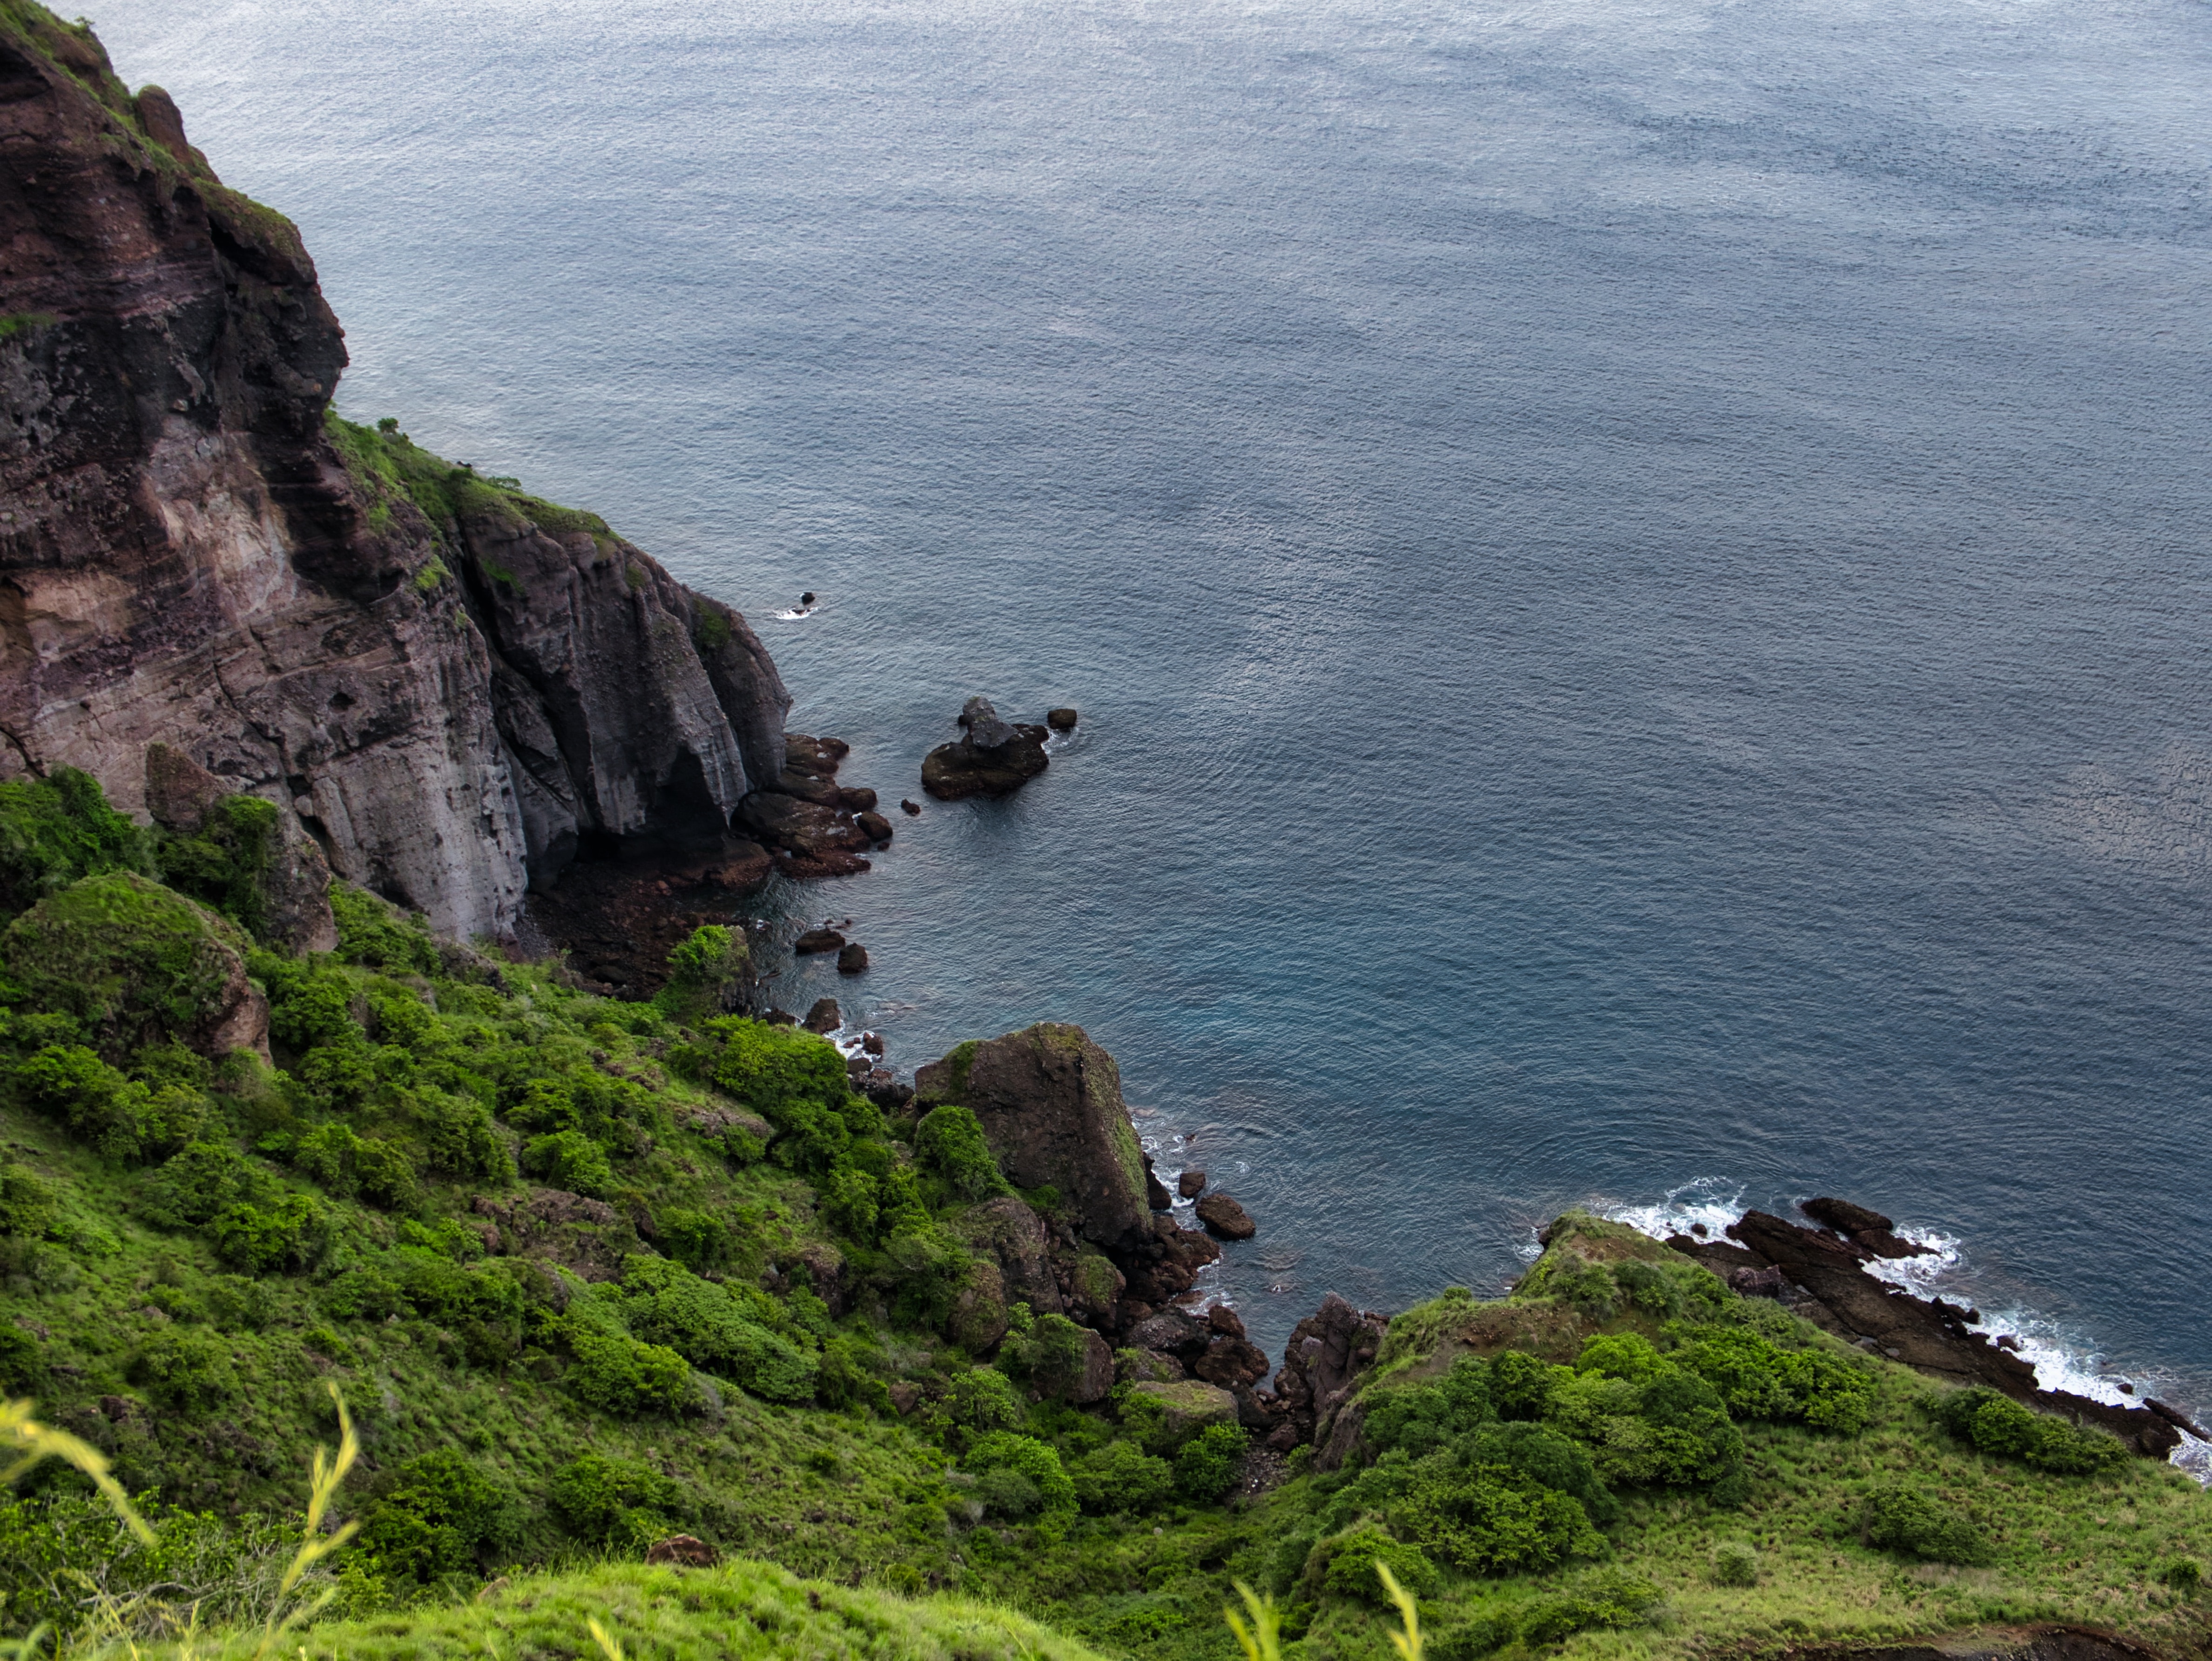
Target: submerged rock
x,y
817,940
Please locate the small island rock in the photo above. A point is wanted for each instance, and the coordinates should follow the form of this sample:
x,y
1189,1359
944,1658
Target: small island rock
x,y
1225,1218
853,960
993,758
1191,1184
1062,719
818,940
823,1017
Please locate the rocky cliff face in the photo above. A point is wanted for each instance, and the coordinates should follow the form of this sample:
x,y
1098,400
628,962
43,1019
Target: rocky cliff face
x,y
451,686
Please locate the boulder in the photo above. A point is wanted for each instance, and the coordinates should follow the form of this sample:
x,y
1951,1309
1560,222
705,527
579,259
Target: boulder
x,y
1154,1367
1231,1362
1049,1102
293,878
905,1396
877,827
1171,1332
1096,1381
808,786
1062,719
807,829
1327,1351
1870,1230
803,754
853,960
1188,1406
685,1551
911,809
1167,1265
1191,1184
1156,1191
872,1043
1225,1321
978,1320
992,758
824,1017
1008,1231
856,800
1225,1218
818,940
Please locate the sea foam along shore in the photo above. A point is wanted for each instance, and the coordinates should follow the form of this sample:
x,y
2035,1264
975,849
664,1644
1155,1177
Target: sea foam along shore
x,y
2063,1358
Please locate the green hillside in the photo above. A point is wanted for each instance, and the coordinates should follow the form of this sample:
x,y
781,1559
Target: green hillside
x,y
565,1259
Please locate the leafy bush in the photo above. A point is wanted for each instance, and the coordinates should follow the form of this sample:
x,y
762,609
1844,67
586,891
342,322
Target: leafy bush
x,y
56,830
347,1164
1420,1418
1049,1352
571,1160
184,1370
1121,1476
1668,1430
697,1239
700,971
132,961
1521,1385
712,1327
1758,1378
1602,1597
612,1502
291,1234
1208,1465
1997,1425
622,1375
2183,1574
979,1401
371,931
446,1517
1029,1459
1735,1563
1343,1566
26,1204
1902,1518
225,864
201,1182
118,1116
1492,1521
949,1145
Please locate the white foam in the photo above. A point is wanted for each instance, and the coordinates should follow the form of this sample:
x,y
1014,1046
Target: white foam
x,y
2061,1359
1714,1201
792,614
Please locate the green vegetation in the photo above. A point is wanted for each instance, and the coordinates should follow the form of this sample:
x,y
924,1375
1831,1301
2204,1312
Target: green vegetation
x,y
593,1273
389,468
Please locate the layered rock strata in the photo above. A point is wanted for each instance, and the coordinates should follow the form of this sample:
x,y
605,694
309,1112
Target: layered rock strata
x,y
453,688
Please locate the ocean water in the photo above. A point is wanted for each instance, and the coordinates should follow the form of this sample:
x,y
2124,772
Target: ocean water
x,y
1636,571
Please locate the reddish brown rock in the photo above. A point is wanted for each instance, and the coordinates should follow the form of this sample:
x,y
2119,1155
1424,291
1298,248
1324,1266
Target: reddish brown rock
x,y
1224,1217
817,940
685,1551
1191,1184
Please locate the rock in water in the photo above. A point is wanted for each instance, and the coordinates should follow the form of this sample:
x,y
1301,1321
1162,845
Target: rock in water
x,y
1224,1217
911,809
877,826
1191,1184
818,940
1049,1102
995,759
853,960
823,1017
1062,719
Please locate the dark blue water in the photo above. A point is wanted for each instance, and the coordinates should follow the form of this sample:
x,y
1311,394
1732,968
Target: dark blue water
x,y
1636,572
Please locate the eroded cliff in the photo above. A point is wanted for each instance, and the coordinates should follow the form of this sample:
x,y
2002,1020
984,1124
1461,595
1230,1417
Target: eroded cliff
x,y
452,686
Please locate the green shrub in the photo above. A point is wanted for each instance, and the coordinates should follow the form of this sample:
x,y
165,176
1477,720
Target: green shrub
x,y
1050,1354
772,1069
1901,1518
978,1401
1622,1355
26,1204
715,1327
290,1234
697,1239
949,1145
2183,1574
347,1164
1420,1418
849,1196
1343,1566
225,864
1541,1454
1030,1460
201,1182
372,933
1207,1466
612,1502
118,1117
447,1516
701,972
130,960
1521,1385
1121,1476
569,1159
1999,1426
56,830
1735,1563
622,1376
184,1370
459,1136
1757,1379
23,1361
1490,1521
1602,1597
1668,1430
306,1009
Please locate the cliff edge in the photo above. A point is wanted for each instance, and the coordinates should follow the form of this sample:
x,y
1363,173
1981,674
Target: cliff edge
x,y
450,685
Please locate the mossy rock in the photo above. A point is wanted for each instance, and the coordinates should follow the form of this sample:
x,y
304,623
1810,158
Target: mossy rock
x,y
1186,1407
136,964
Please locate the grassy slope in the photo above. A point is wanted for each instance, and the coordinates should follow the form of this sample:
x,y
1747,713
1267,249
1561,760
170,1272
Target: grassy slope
x,y
204,1373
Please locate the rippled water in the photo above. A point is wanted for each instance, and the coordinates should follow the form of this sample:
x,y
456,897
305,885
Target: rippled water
x,y
1635,571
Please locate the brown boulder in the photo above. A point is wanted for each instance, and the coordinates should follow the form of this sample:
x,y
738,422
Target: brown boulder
x,y
853,960
855,798
1327,1352
1225,1321
876,825
685,1551
911,809
824,1017
1062,719
992,758
1191,1184
1224,1217
1049,1102
1229,1362
1008,1231
1096,1382
818,940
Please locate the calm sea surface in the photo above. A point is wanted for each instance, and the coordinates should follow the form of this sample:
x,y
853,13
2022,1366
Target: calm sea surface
x,y
1636,572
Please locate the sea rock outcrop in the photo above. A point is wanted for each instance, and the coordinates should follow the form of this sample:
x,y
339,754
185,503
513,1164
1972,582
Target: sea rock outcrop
x,y
1822,1276
452,687
992,758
